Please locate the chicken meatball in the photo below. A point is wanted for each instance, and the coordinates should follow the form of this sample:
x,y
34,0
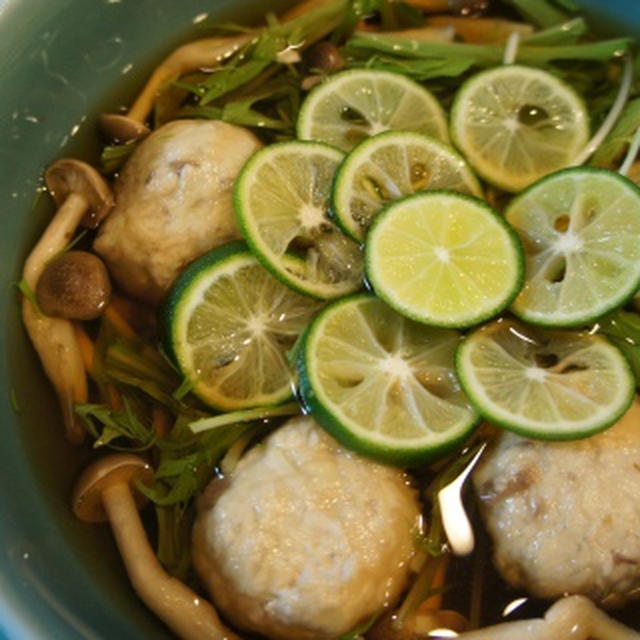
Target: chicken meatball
x,y
173,203
565,516
305,539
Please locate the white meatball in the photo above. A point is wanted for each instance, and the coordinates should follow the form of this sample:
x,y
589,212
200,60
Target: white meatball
x,y
173,203
565,516
307,540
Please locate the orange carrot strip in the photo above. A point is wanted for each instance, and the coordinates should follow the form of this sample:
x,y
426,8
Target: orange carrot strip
x,y
114,400
434,602
87,348
161,421
119,323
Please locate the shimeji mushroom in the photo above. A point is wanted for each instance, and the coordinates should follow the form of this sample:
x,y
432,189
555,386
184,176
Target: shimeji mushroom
x,y
207,53
104,491
574,617
199,54
75,286
83,197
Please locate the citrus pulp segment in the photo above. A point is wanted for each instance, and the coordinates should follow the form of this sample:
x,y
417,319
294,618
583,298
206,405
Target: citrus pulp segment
x,y
544,384
389,166
352,105
515,124
382,384
580,229
228,324
444,259
281,201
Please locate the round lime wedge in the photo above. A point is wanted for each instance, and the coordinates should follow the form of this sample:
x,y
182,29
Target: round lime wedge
x,y
352,105
392,165
515,124
281,201
580,229
544,384
228,325
444,259
382,384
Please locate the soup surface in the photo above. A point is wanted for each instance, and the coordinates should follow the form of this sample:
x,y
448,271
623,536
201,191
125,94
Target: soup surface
x,y
193,366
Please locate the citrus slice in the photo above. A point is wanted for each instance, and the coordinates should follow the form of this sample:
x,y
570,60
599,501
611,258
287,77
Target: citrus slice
x,y
382,384
515,124
391,165
444,259
228,324
555,385
282,205
352,105
581,233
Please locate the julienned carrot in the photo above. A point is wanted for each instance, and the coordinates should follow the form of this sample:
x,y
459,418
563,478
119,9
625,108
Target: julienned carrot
x,y
161,421
115,318
87,348
434,602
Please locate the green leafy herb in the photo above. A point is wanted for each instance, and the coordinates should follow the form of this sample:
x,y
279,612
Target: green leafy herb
x,y
246,415
392,15
620,137
360,630
421,589
230,77
107,425
486,55
263,54
115,155
187,464
623,329
542,13
419,70
28,293
13,398
562,34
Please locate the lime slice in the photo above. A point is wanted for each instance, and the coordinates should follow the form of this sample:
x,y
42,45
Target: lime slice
x,y
544,384
382,384
391,165
352,105
515,124
228,325
282,206
581,233
444,259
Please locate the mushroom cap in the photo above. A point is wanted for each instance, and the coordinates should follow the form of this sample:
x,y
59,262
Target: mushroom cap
x,y
75,286
121,128
86,500
68,175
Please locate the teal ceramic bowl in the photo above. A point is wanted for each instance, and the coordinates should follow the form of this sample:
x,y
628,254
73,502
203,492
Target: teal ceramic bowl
x,y
61,63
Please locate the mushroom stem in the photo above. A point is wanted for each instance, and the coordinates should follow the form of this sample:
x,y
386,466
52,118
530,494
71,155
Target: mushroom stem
x,y
54,339
199,54
188,615
574,617
56,236
208,52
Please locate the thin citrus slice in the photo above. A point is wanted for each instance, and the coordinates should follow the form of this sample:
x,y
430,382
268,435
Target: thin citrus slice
x,y
391,165
515,124
581,233
352,105
282,205
382,384
228,324
555,385
444,259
